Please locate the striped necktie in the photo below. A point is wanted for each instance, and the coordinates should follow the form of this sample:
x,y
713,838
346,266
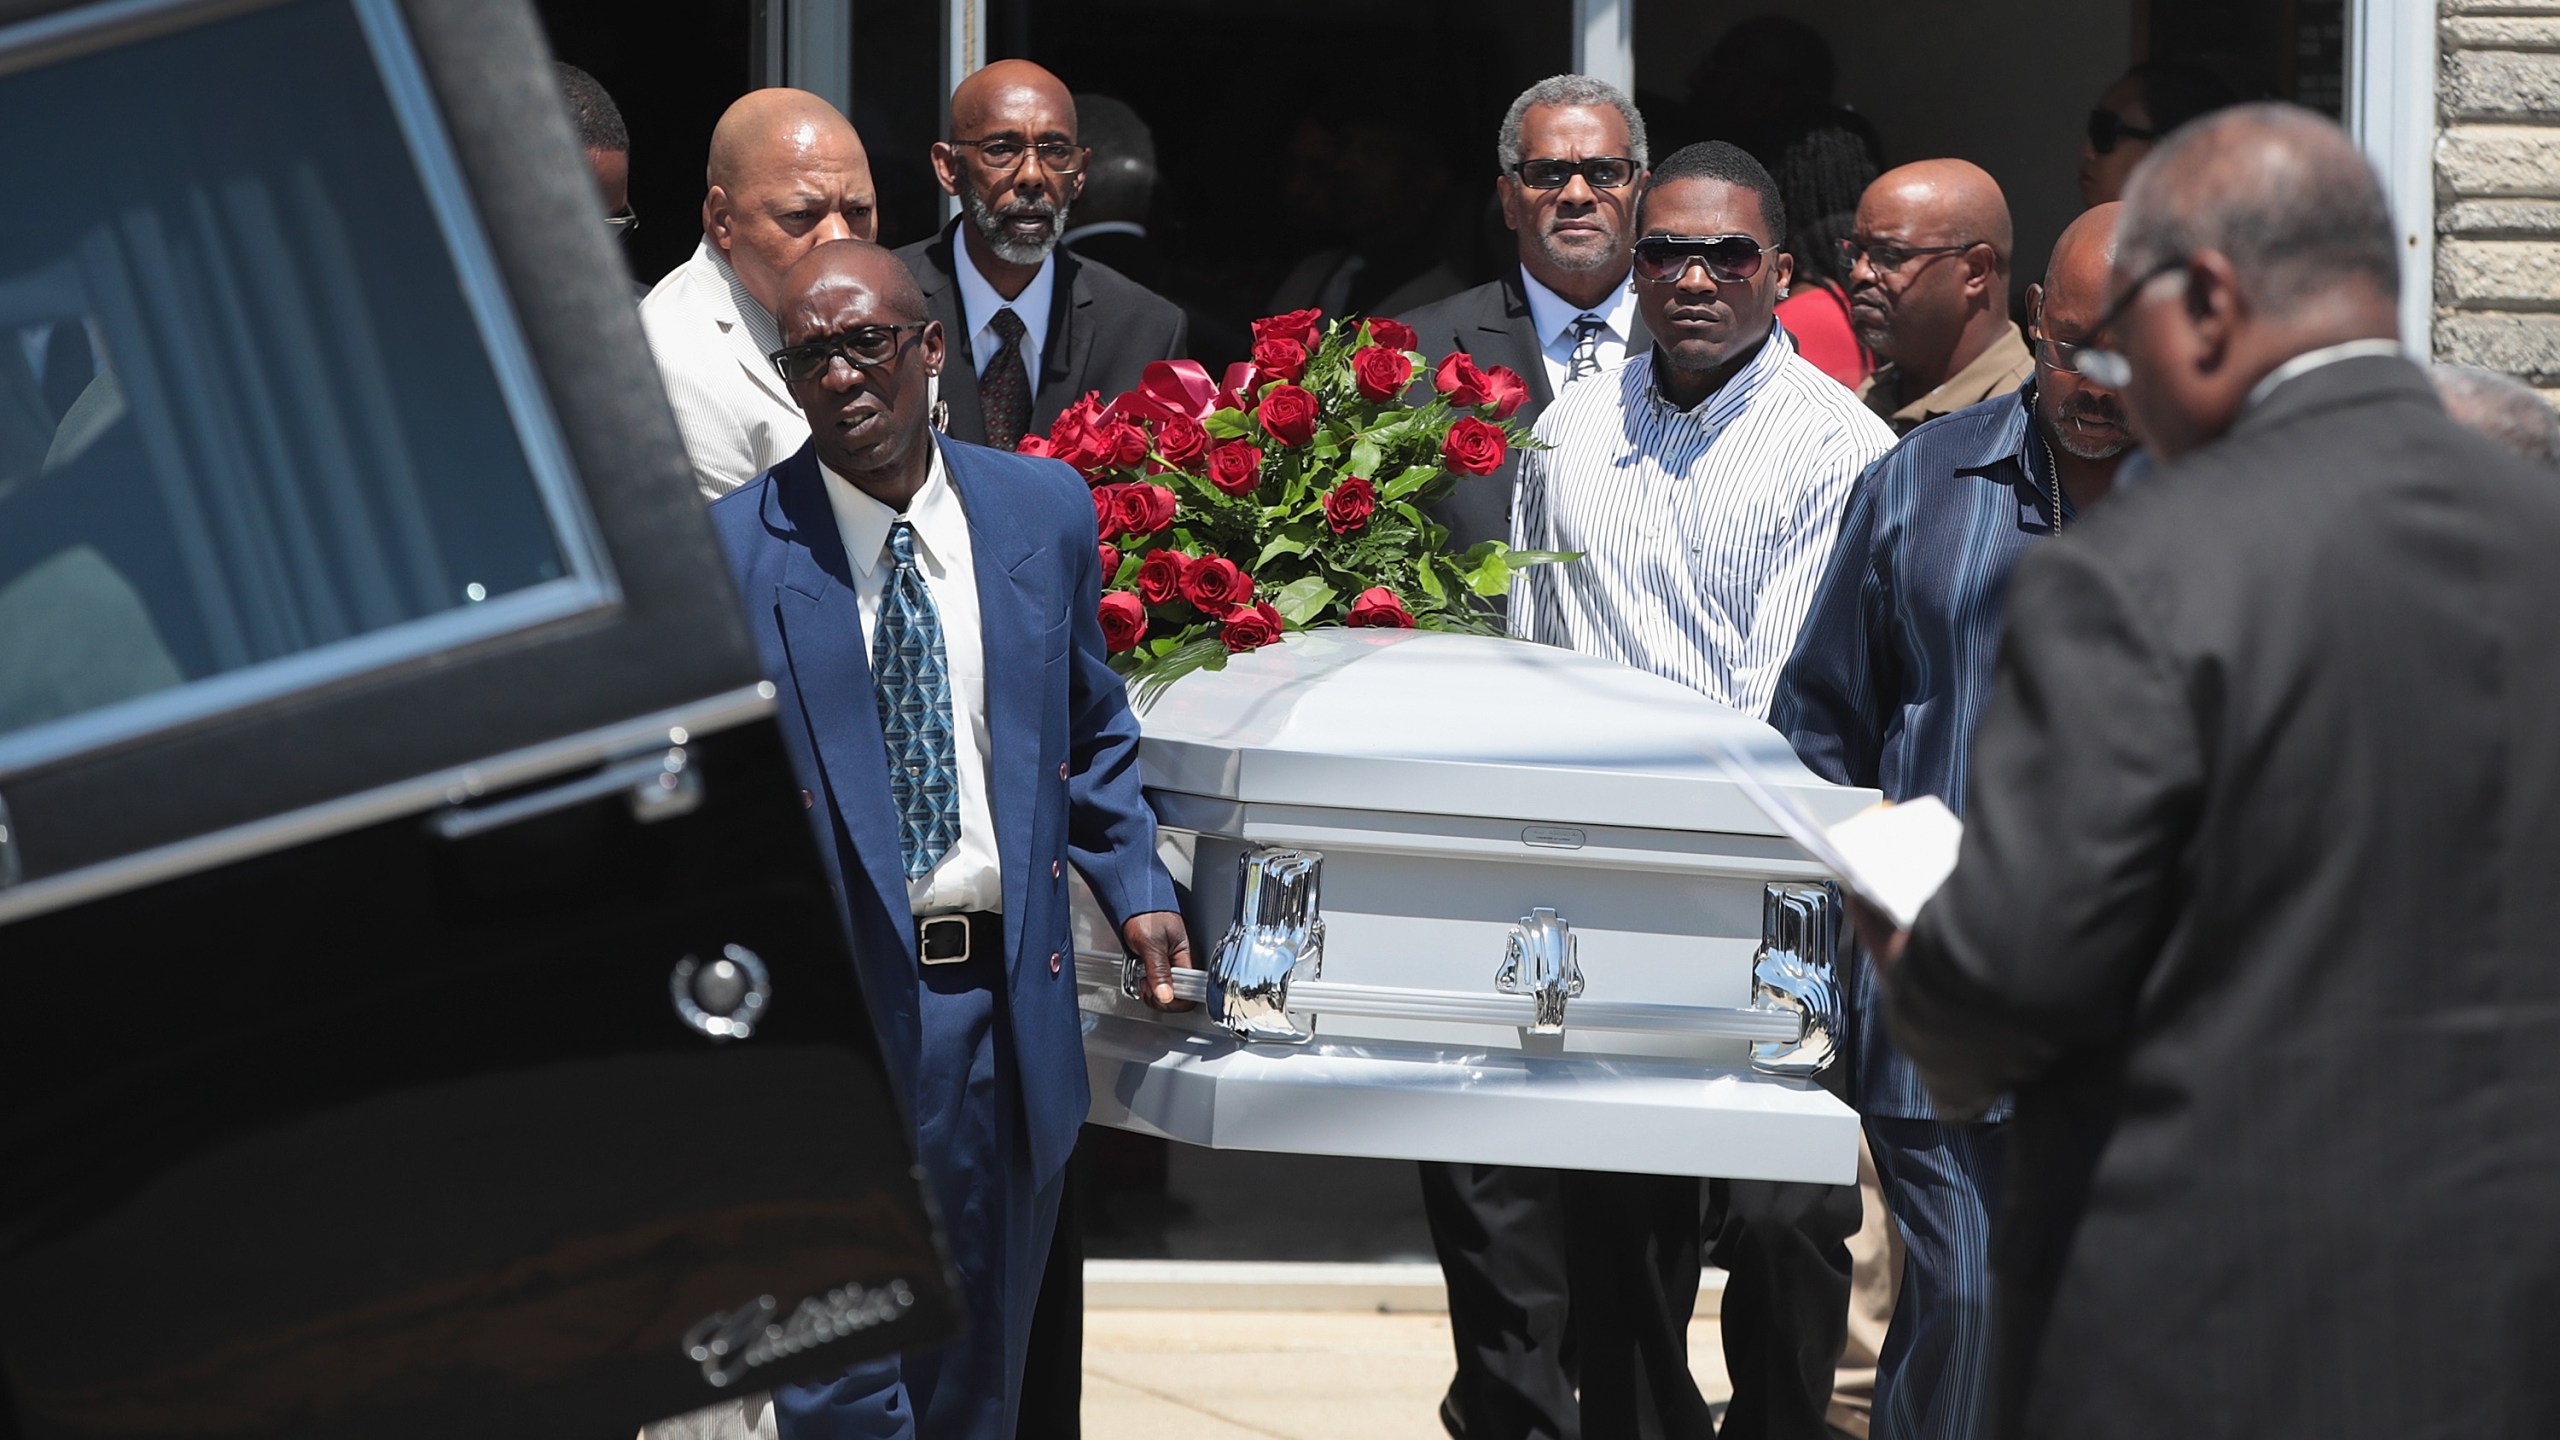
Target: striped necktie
x,y
1005,390
911,679
1586,347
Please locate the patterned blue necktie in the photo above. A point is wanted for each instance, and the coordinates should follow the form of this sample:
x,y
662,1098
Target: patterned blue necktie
x,y
911,678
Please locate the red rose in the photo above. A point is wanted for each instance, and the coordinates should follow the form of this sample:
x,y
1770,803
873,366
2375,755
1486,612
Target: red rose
x,y
1122,444
1160,576
1288,414
1460,380
1236,467
1180,441
1143,509
1394,334
1106,509
1474,447
1378,607
1380,373
1034,445
1108,557
1280,359
1304,326
1348,503
1215,585
1250,628
1124,621
1509,391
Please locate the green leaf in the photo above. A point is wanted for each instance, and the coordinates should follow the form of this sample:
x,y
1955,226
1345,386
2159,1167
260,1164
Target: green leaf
x,y
1301,601
1519,559
1366,458
1490,575
1230,425
1430,578
1280,545
1148,682
1413,478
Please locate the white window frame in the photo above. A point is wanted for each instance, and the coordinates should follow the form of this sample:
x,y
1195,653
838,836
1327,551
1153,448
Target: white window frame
x,y
2391,111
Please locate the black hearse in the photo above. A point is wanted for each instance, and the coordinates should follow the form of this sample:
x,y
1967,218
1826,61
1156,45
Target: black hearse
x,y
424,1012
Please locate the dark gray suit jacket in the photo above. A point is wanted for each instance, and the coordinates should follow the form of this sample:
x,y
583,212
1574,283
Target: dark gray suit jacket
x,y
2259,913
1492,324
1104,328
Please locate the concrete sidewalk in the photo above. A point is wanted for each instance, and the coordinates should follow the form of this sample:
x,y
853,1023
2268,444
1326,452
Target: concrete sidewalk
x,y
1286,1375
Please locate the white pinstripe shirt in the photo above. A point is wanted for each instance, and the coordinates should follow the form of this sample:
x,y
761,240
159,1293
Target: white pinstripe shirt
x,y
1703,532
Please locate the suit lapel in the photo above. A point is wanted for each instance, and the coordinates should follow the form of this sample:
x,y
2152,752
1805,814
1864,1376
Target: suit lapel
x,y
821,621
959,362
1519,343
733,326
1010,627
1066,354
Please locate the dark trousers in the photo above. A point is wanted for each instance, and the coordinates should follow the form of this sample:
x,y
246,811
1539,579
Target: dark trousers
x,y
1053,1373
1941,1185
1632,1247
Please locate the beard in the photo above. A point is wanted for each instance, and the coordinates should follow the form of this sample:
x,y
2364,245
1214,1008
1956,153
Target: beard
x,y
1606,250
2105,410
1010,249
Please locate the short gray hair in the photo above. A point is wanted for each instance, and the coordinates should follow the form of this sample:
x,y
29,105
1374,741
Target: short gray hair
x,y
1568,90
2501,407
2279,190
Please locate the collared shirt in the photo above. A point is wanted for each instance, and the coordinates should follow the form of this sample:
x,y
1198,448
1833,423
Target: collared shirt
x,y
2320,359
970,877
1702,532
979,303
1895,660
1553,315
2002,367
758,322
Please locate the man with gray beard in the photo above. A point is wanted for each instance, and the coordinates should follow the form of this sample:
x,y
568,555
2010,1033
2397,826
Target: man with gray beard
x,y
1889,673
1032,326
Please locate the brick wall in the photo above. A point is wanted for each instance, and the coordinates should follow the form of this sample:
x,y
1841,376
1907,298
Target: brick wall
x,y
2498,188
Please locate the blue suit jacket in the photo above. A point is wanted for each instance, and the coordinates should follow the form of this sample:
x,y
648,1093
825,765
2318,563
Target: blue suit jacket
x,y
1062,754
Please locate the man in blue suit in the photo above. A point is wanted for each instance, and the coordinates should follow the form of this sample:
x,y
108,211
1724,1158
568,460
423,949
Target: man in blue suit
x,y
928,611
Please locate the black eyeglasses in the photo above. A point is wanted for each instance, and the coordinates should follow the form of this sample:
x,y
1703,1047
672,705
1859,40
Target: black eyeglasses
x,y
1893,257
623,221
1730,259
2105,365
1003,155
1605,172
2107,130
866,347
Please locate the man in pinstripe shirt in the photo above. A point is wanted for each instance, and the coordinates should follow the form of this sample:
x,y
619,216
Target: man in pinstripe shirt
x,y
1702,483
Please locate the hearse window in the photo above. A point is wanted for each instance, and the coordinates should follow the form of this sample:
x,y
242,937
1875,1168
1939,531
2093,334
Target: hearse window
x,y
264,418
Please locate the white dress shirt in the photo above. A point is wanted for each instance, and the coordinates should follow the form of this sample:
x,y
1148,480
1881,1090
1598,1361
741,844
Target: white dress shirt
x,y
1553,316
971,876
979,303
1703,532
711,339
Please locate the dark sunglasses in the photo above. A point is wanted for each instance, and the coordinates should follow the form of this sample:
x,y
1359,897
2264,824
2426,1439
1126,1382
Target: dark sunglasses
x,y
2108,130
1605,172
866,347
1730,259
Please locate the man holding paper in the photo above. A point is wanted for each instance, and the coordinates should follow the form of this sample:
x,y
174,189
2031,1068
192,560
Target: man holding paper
x,y
1886,682
2255,909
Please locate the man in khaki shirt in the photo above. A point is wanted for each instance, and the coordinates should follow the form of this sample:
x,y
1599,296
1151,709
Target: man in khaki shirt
x,y
1929,292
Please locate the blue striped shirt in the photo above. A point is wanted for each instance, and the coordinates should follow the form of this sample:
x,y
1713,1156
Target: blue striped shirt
x,y
1895,661
1702,531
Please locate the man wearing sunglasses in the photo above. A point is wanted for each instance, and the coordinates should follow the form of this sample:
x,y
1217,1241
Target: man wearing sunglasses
x,y
1032,326
787,174
1571,155
1882,692
1929,292
928,611
1701,482
2152,99
2254,913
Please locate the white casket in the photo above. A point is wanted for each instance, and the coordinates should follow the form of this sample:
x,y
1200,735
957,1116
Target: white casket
x,y
1464,898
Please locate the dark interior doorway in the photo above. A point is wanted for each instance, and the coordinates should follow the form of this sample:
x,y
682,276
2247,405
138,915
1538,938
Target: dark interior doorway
x,y
671,70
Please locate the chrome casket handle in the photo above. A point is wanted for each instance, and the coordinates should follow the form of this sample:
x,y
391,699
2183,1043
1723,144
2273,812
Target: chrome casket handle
x,y
1796,973
1277,937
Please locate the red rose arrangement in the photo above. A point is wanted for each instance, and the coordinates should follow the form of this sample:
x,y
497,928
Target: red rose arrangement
x,y
1233,511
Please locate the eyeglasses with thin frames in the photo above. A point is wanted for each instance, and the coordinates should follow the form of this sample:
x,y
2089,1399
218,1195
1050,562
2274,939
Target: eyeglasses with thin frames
x,y
622,222
2107,130
1003,154
865,347
2105,365
1887,258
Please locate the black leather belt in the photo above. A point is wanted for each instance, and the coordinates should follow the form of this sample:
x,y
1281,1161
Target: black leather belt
x,y
952,939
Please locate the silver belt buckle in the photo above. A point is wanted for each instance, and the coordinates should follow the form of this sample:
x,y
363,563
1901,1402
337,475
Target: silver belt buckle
x,y
926,929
